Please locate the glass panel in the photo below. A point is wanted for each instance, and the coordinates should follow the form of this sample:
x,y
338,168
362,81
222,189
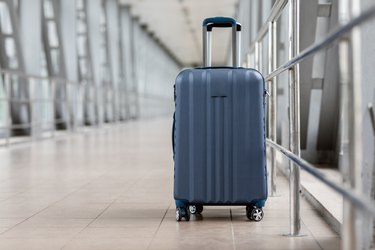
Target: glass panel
x,y
43,63
10,50
5,21
83,67
52,34
10,47
81,15
102,16
3,106
55,57
48,9
16,4
81,27
81,46
80,4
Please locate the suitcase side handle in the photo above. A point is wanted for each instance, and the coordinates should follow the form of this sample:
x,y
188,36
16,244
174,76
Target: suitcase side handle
x,y
221,22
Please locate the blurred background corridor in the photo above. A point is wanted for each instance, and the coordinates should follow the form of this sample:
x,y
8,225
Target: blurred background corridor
x,y
86,107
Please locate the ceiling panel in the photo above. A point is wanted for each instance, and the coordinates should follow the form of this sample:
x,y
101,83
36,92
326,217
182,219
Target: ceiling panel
x,y
177,24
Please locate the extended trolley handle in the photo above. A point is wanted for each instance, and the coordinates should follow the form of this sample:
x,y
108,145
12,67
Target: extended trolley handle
x,y
221,22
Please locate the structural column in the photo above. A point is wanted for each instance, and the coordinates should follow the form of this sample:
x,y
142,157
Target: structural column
x,y
94,109
68,19
30,13
127,65
113,32
135,76
350,122
53,48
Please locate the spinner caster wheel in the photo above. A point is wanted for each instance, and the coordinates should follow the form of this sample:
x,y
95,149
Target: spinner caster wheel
x,y
182,213
187,214
248,211
248,208
193,209
255,214
196,209
178,214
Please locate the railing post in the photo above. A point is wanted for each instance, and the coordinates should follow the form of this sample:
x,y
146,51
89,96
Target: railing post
x,y
79,107
96,103
350,122
248,59
8,117
294,119
33,107
54,103
258,53
272,99
67,101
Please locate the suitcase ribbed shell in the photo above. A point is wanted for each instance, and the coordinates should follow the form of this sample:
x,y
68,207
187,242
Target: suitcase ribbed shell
x,y
220,151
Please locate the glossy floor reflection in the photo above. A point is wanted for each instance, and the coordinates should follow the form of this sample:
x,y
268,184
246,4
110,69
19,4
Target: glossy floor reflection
x,y
112,189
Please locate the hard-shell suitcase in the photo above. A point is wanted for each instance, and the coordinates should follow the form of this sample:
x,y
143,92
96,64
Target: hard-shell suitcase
x,y
219,134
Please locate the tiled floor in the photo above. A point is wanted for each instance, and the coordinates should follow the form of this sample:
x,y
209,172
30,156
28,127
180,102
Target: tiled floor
x,y
112,189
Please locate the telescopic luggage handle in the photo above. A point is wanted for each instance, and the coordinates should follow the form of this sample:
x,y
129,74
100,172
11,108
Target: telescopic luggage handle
x,y
221,22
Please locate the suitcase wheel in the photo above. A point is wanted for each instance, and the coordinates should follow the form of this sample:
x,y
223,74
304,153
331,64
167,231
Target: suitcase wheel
x,y
182,213
178,214
196,209
254,213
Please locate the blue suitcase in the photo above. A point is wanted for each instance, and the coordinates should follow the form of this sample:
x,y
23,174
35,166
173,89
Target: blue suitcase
x,y
219,134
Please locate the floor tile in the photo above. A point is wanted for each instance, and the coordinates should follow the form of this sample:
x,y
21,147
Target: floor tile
x,y
41,233
113,189
329,243
108,244
31,244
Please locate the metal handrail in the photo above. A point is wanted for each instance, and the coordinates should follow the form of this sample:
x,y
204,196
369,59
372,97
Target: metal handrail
x,y
350,17
35,123
362,202
28,76
10,75
331,37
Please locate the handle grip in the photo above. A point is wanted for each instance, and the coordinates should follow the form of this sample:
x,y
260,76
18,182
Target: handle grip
x,y
221,22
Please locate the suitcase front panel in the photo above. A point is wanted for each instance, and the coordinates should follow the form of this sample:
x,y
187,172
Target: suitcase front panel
x,y
220,136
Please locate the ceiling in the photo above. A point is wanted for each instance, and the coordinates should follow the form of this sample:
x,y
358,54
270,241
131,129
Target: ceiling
x,y
177,24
